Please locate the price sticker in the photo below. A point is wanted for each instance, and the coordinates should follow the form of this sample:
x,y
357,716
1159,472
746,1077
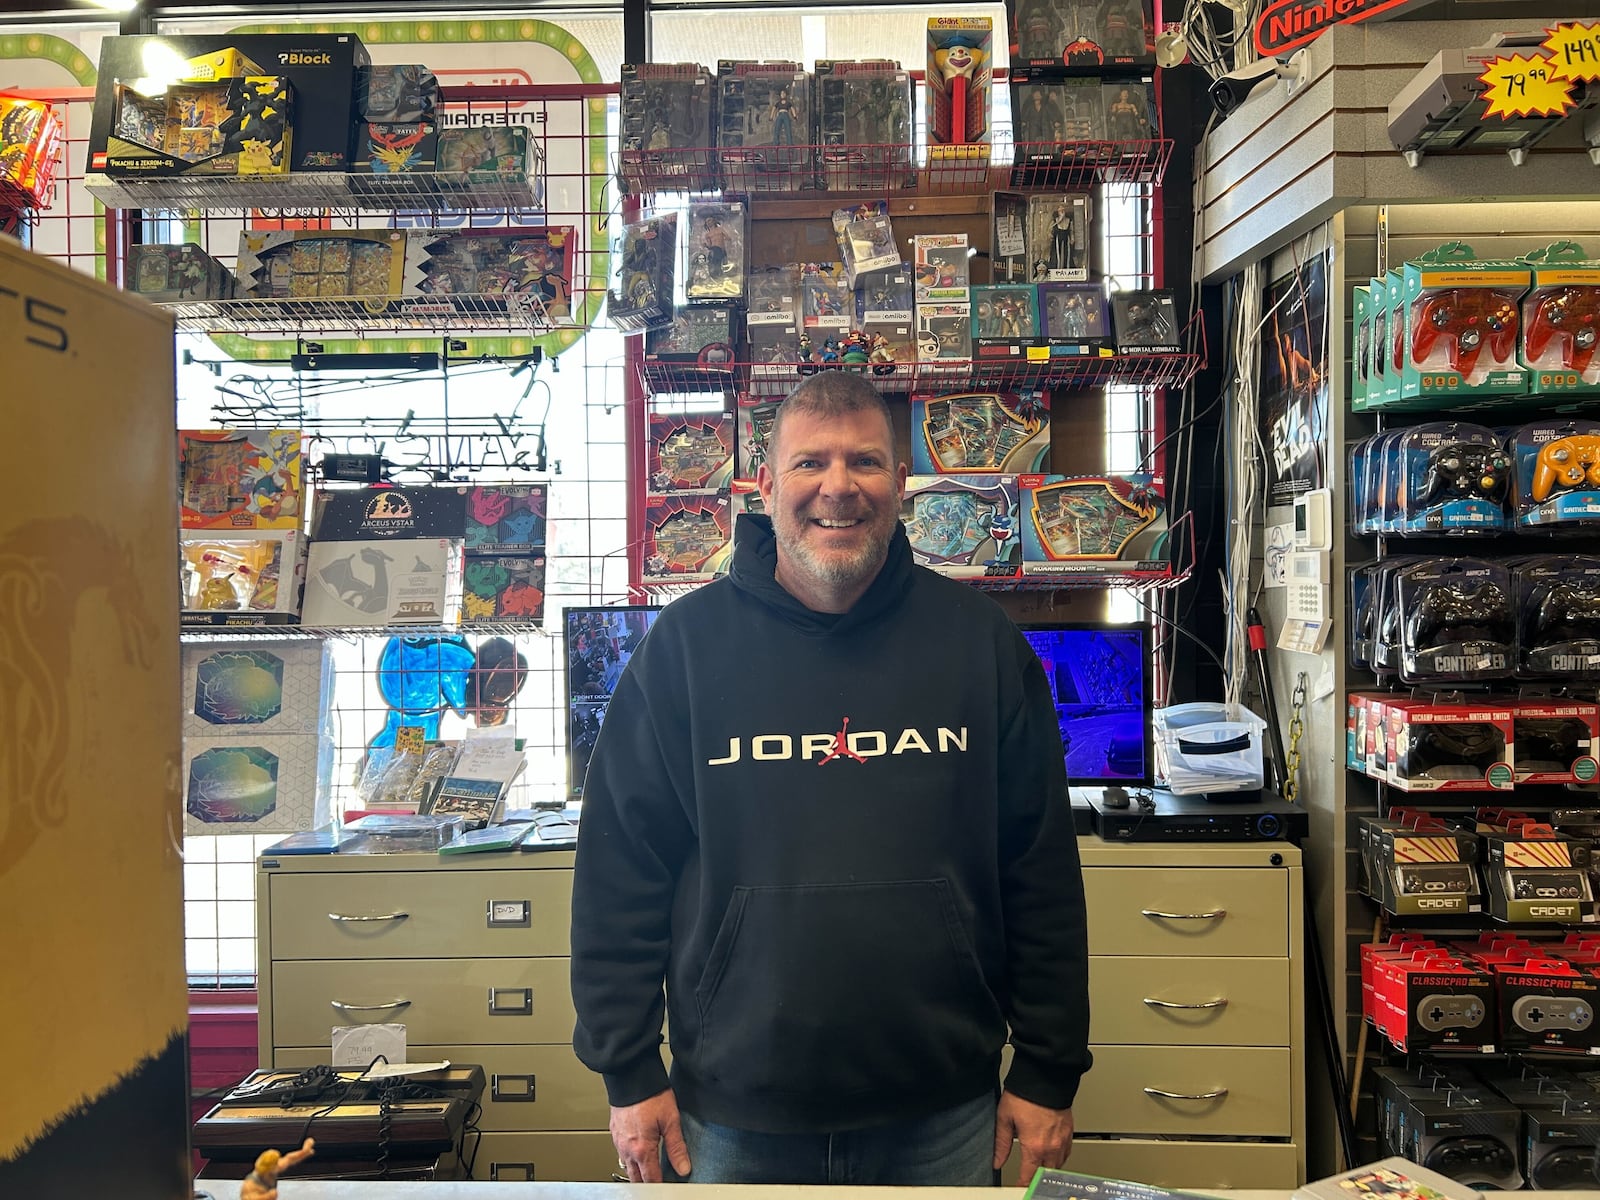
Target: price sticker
x,y
1574,52
1524,87
410,739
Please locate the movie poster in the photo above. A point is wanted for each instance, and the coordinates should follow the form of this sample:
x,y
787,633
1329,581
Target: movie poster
x,y
1294,382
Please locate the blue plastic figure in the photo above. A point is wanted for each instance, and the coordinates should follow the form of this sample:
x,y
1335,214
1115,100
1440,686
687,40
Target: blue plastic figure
x,y
419,678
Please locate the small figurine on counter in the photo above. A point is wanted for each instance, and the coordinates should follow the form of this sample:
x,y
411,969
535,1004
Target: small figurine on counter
x,y
262,1183
881,355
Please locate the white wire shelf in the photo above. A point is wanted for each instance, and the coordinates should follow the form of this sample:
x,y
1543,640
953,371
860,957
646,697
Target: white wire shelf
x,y
417,190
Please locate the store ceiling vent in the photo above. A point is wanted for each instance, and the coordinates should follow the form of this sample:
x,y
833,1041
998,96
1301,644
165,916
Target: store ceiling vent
x,y
1441,111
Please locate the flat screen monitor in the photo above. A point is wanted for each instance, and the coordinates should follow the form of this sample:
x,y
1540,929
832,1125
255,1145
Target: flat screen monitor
x,y
599,642
1100,679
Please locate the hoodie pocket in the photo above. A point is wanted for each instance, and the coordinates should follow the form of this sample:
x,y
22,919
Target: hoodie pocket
x,y
843,988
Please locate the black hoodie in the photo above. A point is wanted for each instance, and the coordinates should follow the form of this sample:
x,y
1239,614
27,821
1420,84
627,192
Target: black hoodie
x,y
843,843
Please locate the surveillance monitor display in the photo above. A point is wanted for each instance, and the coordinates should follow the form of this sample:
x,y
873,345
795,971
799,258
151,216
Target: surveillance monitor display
x,y
1100,680
599,642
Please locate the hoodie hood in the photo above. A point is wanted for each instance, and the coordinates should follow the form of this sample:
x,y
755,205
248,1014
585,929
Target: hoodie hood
x,y
755,562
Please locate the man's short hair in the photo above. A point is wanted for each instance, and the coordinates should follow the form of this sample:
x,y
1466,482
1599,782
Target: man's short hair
x,y
831,394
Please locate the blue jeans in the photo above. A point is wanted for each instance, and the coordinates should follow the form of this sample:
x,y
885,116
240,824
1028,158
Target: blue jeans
x,y
954,1148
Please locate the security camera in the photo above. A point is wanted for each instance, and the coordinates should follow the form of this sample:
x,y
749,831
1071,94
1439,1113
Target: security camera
x,y
1229,91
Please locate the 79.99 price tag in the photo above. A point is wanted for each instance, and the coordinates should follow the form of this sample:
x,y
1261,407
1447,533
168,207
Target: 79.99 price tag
x,y
1525,87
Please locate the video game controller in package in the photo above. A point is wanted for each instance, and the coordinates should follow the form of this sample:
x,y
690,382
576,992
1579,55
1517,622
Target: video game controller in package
x,y
1459,624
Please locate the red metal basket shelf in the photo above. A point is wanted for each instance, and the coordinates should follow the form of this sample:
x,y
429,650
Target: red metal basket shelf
x,y
455,312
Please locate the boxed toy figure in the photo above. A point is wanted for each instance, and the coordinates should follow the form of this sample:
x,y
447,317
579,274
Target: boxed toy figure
x,y
503,588
1008,239
687,538
177,274
764,126
689,452
773,322
755,427
30,139
667,127
1130,111
1093,523
940,265
960,51
716,251
396,93
644,297
320,69
391,581
944,331
239,478
961,525
972,433
1058,237
827,305
864,125
1145,323
1053,119
1005,318
701,335
1074,315
866,239
250,578
506,519
1084,36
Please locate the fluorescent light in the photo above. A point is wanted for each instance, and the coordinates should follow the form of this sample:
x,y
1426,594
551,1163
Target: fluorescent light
x,y
119,6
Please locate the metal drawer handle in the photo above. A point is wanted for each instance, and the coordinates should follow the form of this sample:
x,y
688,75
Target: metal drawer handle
x,y
1154,915
343,1007
1154,1003
1216,1095
513,1089
394,916
511,1172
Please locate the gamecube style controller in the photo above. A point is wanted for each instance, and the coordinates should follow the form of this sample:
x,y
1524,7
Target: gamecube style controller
x,y
1465,470
1570,317
1463,319
1569,462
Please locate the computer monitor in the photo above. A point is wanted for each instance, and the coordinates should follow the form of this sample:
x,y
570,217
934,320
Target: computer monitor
x,y
599,642
1100,679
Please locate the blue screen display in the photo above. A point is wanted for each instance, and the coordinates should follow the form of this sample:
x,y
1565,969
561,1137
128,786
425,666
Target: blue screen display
x,y
1100,680
599,643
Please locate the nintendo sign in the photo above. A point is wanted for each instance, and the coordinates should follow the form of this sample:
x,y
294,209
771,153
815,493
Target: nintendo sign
x,y
1286,25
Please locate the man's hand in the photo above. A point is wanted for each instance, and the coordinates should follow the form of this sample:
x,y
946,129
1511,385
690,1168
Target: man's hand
x,y
638,1131
1043,1134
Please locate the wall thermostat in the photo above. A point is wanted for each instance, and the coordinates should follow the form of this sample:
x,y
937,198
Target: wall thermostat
x,y
1312,520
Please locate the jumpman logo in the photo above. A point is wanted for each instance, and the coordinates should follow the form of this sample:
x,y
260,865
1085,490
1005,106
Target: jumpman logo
x,y
841,746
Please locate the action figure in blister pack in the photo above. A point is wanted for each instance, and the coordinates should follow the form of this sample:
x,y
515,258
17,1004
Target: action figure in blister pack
x,y
716,252
1127,114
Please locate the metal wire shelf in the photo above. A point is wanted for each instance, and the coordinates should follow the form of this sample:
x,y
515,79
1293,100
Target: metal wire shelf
x,y
414,191
896,169
1038,368
246,631
454,312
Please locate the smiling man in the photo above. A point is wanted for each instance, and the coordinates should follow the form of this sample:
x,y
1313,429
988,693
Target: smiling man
x,y
827,814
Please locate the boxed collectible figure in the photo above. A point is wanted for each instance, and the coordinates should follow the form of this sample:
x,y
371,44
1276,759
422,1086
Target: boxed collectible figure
x,y
395,93
1130,111
864,113
375,513
988,433
1082,36
1074,316
940,264
1145,323
1005,318
177,274
1557,465
388,581
687,538
1093,523
1561,322
716,251
371,266
1057,120
772,322
239,478
702,335
644,296
30,138
667,130
1058,238
764,126
866,240
755,427
506,518
245,578
320,69
689,452
960,52
503,588
1461,322
944,331
961,525
827,305
262,687
1008,240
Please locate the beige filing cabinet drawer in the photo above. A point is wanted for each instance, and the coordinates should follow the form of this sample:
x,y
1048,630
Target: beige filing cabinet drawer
x,y
447,1002
1187,1165
420,914
1210,1090
541,1157
1195,911
526,1087
1198,1002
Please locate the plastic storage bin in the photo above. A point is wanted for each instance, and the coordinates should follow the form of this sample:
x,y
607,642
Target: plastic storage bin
x,y
1200,748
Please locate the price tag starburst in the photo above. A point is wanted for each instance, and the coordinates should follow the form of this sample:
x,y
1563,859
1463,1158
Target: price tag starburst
x,y
1524,87
1574,52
